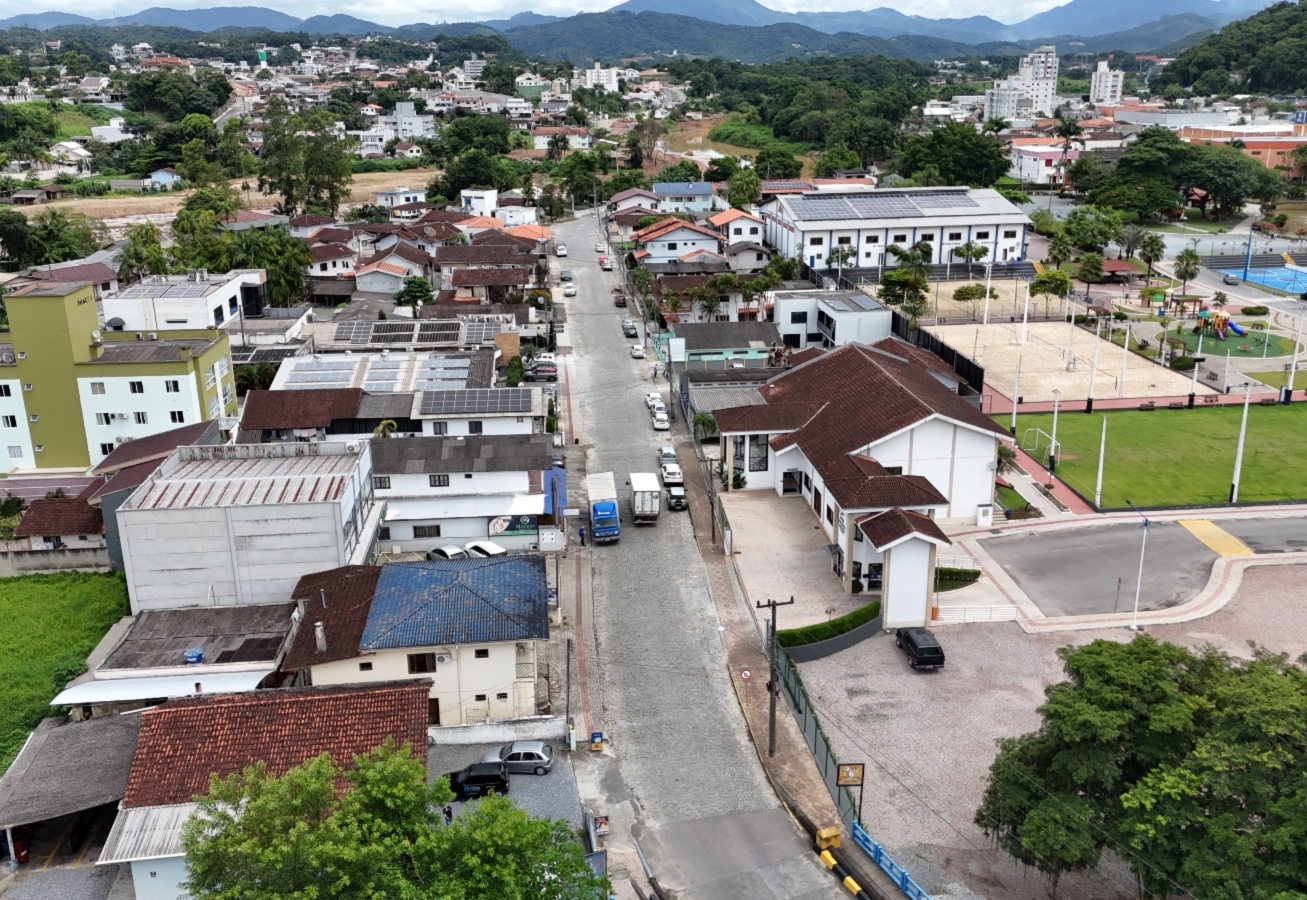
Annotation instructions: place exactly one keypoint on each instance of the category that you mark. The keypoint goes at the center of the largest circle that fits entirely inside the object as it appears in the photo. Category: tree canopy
(955, 153)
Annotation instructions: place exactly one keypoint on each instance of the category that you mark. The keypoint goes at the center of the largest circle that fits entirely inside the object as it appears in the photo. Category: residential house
(305, 415)
(398, 196)
(393, 372)
(491, 285)
(112, 133)
(735, 305)
(685, 196)
(384, 272)
(697, 346)
(102, 277)
(453, 257)
(747, 256)
(473, 630)
(199, 299)
(70, 153)
(238, 524)
(406, 124)
(407, 150)
(808, 317)
(305, 225)
(633, 197)
(671, 239)
(280, 729)
(628, 221)
(810, 224)
(578, 138)
(61, 523)
(332, 261)
(126, 385)
(37, 196)
(736, 226)
(164, 179)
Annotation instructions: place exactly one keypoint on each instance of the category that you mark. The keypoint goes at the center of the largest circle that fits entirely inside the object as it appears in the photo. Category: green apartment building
(70, 392)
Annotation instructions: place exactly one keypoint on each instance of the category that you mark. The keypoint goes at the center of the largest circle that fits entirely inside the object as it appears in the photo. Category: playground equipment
(1219, 322)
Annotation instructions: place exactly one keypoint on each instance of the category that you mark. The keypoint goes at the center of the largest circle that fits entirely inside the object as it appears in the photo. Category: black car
(630, 331)
(922, 648)
(479, 779)
(676, 498)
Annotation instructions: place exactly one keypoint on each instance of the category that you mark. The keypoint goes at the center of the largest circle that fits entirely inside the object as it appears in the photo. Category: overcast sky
(400, 12)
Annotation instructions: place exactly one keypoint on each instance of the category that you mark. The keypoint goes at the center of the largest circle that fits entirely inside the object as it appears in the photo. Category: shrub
(1255, 311)
(1183, 363)
(1120, 315)
(1081, 320)
(948, 578)
(824, 631)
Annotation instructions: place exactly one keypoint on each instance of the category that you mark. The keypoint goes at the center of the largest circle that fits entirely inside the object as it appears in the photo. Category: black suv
(922, 648)
(479, 779)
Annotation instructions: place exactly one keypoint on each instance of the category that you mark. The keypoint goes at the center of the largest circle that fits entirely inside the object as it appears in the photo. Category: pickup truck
(605, 520)
(646, 498)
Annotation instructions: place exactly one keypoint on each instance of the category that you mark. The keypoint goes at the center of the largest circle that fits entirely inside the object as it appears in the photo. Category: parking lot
(551, 796)
(928, 737)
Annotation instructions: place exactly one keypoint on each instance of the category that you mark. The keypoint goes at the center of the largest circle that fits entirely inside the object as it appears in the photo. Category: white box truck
(646, 498)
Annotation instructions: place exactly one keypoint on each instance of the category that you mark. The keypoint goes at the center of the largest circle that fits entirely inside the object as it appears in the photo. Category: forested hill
(1266, 52)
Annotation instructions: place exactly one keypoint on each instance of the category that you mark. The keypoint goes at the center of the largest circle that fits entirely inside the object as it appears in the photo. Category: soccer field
(1178, 457)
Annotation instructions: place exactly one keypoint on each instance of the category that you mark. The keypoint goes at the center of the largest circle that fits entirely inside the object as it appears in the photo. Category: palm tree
(995, 124)
(705, 426)
(385, 428)
(1186, 268)
(1131, 237)
(558, 146)
(914, 261)
(1068, 131)
(674, 302)
(1152, 249)
(1060, 249)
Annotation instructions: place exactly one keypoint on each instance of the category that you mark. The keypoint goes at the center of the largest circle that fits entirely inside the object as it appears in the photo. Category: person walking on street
(581, 530)
(448, 813)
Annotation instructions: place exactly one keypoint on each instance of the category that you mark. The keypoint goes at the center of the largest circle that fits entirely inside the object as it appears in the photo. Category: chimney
(320, 634)
(197, 687)
(323, 593)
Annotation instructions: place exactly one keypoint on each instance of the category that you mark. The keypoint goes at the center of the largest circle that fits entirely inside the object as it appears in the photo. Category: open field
(1180, 457)
(1044, 362)
(48, 624)
(1277, 379)
(170, 202)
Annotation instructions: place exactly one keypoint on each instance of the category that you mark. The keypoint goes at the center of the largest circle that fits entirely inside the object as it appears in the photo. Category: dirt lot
(117, 207)
(929, 737)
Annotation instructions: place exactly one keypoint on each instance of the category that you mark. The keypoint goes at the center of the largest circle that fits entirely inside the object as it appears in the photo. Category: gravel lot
(551, 796)
(83, 883)
(929, 737)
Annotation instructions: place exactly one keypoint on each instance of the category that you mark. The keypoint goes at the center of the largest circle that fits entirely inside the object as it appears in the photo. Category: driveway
(657, 685)
(548, 796)
(1088, 571)
(928, 738)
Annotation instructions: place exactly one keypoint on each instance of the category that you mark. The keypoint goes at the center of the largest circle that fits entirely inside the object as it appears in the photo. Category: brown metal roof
(340, 599)
(272, 410)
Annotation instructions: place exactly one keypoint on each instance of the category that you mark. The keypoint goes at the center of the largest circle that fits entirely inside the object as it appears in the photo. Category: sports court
(1282, 278)
(1057, 356)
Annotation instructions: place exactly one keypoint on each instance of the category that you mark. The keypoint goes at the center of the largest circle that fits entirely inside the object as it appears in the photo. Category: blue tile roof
(465, 601)
(701, 188)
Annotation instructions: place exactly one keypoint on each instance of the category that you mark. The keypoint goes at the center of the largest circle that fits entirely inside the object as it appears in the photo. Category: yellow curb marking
(1216, 537)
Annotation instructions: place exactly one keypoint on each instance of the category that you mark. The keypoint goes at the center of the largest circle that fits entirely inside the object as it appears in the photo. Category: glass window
(137, 387)
(482, 653)
(12, 421)
(141, 418)
(172, 387)
(420, 663)
(426, 531)
(982, 235)
(757, 453)
(440, 428)
(1010, 233)
(474, 427)
(17, 452)
(816, 241)
(799, 318)
(872, 239)
(178, 417)
(438, 480)
(105, 449)
(955, 235)
(97, 387)
(844, 240)
(900, 238)
(365, 667)
(381, 482)
(928, 237)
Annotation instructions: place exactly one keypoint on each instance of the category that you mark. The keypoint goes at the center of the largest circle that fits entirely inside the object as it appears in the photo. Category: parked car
(676, 498)
(653, 398)
(666, 454)
(560, 459)
(529, 757)
(637, 352)
(921, 646)
(1231, 279)
(483, 549)
(542, 372)
(619, 300)
(560, 250)
(672, 474)
(600, 248)
(478, 780)
(449, 551)
(545, 357)
(660, 422)
(659, 407)
(630, 331)
(565, 275)
(606, 264)
(569, 290)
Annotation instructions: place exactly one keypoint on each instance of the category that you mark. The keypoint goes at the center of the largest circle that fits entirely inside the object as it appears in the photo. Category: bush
(360, 166)
(1183, 363)
(948, 578)
(824, 631)
(1120, 315)
(1081, 320)
(1255, 311)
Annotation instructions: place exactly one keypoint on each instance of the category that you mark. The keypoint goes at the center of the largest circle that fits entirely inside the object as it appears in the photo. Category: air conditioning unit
(442, 657)
(154, 335)
(139, 335)
(120, 415)
(352, 447)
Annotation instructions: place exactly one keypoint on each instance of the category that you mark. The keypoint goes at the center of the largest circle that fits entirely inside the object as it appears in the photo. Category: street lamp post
(1238, 450)
(989, 272)
(1102, 454)
(1093, 368)
(1125, 358)
(1016, 396)
(1139, 581)
(1286, 392)
(1052, 447)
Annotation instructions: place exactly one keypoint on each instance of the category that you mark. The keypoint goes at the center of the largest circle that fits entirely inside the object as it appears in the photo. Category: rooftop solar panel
(476, 400)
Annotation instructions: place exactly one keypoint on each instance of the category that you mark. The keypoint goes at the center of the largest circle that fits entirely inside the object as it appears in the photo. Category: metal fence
(829, 768)
(966, 368)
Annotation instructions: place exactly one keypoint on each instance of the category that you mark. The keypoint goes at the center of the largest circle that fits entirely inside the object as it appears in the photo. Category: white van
(481, 549)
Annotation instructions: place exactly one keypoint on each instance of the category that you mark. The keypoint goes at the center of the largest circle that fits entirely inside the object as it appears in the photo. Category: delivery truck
(646, 498)
(605, 520)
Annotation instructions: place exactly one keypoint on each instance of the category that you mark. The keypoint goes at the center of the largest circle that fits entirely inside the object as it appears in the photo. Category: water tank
(194, 656)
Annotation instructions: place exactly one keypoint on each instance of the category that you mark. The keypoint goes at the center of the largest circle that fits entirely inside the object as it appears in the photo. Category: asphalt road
(1075, 572)
(657, 685)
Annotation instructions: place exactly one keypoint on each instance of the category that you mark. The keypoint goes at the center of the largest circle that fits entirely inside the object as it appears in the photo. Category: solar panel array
(390, 333)
(877, 206)
(476, 400)
(322, 373)
(353, 332)
(441, 374)
(188, 289)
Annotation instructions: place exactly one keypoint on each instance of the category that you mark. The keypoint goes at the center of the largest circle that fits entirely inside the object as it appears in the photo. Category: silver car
(529, 757)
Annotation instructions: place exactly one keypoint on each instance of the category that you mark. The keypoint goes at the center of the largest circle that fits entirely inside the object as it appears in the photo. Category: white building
(240, 523)
(828, 319)
(479, 201)
(372, 141)
(1030, 92)
(400, 196)
(1040, 164)
(577, 138)
(1007, 100)
(808, 225)
(685, 196)
(474, 68)
(407, 124)
(530, 80)
(197, 300)
(671, 239)
(1106, 86)
(112, 133)
(597, 78)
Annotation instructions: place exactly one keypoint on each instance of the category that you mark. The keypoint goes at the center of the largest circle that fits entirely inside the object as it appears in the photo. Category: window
(753, 230)
(322, 267)
(799, 318)
(928, 237)
(10, 421)
(474, 427)
(15, 452)
(22, 354)
(365, 667)
(502, 695)
(138, 387)
(420, 663)
(982, 235)
(214, 407)
(178, 417)
(221, 366)
(141, 418)
(482, 653)
(440, 428)
(894, 470)
(383, 533)
(39, 448)
(807, 481)
(843, 241)
(106, 449)
(757, 453)
(209, 377)
(816, 241)
(1010, 233)
(438, 480)
(955, 235)
(100, 418)
(426, 531)
(97, 387)
(172, 387)
(872, 239)
(857, 537)
(480, 698)
(381, 482)
(27, 387)
(830, 516)
(671, 245)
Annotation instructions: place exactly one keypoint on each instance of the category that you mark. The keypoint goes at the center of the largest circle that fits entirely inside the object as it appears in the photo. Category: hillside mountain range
(743, 30)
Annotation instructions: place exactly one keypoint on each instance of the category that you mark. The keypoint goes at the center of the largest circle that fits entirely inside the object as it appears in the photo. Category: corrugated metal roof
(147, 832)
(248, 482)
(123, 690)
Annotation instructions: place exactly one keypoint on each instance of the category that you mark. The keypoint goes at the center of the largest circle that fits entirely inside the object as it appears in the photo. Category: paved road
(658, 685)
(1075, 572)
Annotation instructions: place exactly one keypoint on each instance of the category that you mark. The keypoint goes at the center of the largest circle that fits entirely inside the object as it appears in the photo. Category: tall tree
(958, 153)
(1152, 249)
(143, 254)
(744, 188)
(1186, 268)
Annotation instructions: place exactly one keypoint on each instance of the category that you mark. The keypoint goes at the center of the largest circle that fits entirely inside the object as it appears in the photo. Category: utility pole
(1238, 451)
(773, 680)
(1102, 454)
(1016, 397)
(568, 704)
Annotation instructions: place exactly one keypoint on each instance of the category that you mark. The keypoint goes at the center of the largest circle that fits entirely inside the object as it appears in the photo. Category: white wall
(379, 282)
(459, 484)
(159, 879)
(156, 402)
(672, 247)
(956, 460)
(15, 443)
(907, 586)
(489, 425)
(456, 683)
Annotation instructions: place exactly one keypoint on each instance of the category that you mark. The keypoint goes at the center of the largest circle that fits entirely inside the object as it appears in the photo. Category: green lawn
(1192, 226)
(1181, 457)
(48, 625)
(1277, 378)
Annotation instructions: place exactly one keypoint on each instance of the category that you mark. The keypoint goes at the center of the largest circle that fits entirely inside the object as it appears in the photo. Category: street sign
(849, 774)
(746, 674)
(571, 511)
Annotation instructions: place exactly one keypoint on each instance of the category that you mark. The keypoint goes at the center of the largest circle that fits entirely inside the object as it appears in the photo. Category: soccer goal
(1040, 444)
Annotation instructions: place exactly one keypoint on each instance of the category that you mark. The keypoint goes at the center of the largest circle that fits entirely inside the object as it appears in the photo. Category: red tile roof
(483, 255)
(904, 350)
(184, 742)
(270, 410)
(766, 417)
(892, 525)
(404, 251)
(96, 273)
(324, 252)
(331, 236)
(347, 593)
(63, 515)
(308, 220)
(498, 277)
(669, 225)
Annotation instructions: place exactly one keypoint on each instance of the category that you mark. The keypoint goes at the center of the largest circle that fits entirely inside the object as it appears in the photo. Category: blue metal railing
(887, 864)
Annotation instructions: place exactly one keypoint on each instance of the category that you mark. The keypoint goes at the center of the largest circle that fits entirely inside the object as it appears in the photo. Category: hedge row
(824, 631)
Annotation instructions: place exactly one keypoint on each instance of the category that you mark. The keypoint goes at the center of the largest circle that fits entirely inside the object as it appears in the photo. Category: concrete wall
(957, 460)
(535, 728)
(157, 403)
(906, 594)
(524, 424)
(160, 879)
(17, 439)
(30, 562)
